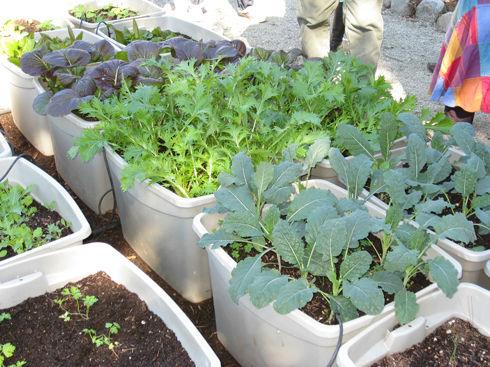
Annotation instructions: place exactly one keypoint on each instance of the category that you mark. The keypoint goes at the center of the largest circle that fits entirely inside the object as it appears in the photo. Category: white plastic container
(47, 272)
(143, 7)
(470, 303)
(157, 224)
(23, 92)
(88, 180)
(47, 189)
(5, 150)
(262, 337)
(173, 24)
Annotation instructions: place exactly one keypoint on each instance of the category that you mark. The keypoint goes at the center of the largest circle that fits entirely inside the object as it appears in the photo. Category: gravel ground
(408, 44)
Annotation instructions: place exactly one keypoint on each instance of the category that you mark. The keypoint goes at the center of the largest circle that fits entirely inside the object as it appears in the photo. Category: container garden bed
(256, 307)
(46, 190)
(5, 150)
(385, 337)
(155, 29)
(88, 14)
(89, 267)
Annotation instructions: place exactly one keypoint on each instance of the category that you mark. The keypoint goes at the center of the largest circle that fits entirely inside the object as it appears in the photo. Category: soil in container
(455, 343)
(43, 338)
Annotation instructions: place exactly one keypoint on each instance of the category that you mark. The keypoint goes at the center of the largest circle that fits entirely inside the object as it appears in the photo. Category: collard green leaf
(271, 218)
(345, 308)
(463, 133)
(455, 227)
(308, 201)
(394, 181)
(355, 265)
(394, 215)
(235, 198)
(437, 171)
(225, 179)
(353, 140)
(483, 216)
(388, 130)
(243, 223)
(444, 274)
(419, 240)
(359, 224)
(416, 155)
(437, 142)
(412, 125)
(317, 152)
(483, 186)
(400, 258)
(426, 220)
(215, 209)
(69, 57)
(406, 306)
(388, 281)
(365, 295)
(288, 243)
(411, 199)
(218, 238)
(289, 154)
(266, 287)
(331, 239)
(475, 163)
(281, 187)
(353, 173)
(243, 169)
(263, 177)
(295, 294)
(404, 232)
(243, 275)
(481, 201)
(432, 206)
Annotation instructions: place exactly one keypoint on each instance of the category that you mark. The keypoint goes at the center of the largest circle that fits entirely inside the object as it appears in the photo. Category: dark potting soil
(105, 228)
(455, 343)
(42, 338)
(42, 218)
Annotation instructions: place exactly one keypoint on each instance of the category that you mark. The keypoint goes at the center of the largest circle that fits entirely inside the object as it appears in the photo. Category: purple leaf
(103, 50)
(110, 73)
(66, 79)
(64, 102)
(82, 45)
(85, 86)
(68, 57)
(32, 62)
(142, 49)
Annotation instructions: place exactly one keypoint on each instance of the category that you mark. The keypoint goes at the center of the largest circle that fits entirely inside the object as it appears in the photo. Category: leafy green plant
(107, 12)
(15, 210)
(321, 237)
(99, 340)
(5, 316)
(74, 294)
(6, 351)
(127, 35)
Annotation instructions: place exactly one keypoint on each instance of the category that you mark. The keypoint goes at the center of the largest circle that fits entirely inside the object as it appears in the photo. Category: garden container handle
(411, 333)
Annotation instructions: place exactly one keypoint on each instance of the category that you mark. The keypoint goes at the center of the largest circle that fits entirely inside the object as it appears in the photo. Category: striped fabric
(462, 74)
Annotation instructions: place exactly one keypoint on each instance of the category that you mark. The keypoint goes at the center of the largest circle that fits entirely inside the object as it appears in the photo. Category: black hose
(14, 162)
(81, 19)
(106, 25)
(339, 341)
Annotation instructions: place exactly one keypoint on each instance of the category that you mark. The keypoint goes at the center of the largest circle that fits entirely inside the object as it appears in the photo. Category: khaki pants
(363, 27)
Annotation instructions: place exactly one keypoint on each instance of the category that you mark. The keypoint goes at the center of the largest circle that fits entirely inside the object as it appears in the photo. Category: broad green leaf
(432, 206)
(345, 308)
(412, 125)
(416, 155)
(394, 215)
(464, 134)
(288, 243)
(355, 265)
(242, 168)
(444, 274)
(272, 216)
(289, 154)
(483, 151)
(404, 232)
(281, 186)
(317, 152)
(437, 142)
(411, 199)
(365, 295)
(347, 206)
(218, 208)
(465, 181)
(263, 177)
(331, 239)
(359, 170)
(400, 258)
(308, 201)
(475, 163)
(388, 130)
(338, 163)
(243, 275)
(225, 179)
(419, 240)
(360, 223)
(218, 238)
(483, 216)
(437, 171)
(389, 282)
(235, 198)
(295, 294)
(394, 181)
(406, 306)
(426, 220)
(481, 201)
(266, 287)
(455, 227)
(483, 186)
(352, 139)
(244, 224)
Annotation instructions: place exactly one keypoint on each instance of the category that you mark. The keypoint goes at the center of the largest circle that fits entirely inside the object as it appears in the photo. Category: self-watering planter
(158, 225)
(46, 272)
(470, 303)
(23, 92)
(263, 337)
(169, 23)
(5, 150)
(144, 8)
(88, 180)
(46, 190)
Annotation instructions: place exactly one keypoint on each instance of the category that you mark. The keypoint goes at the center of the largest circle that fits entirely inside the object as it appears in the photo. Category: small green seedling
(5, 316)
(6, 351)
(75, 294)
(99, 340)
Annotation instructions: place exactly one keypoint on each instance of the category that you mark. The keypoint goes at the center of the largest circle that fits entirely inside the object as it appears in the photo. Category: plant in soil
(99, 340)
(296, 241)
(7, 350)
(19, 232)
(127, 35)
(107, 12)
(74, 294)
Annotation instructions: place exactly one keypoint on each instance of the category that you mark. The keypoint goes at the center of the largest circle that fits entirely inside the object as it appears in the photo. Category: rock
(386, 4)
(401, 7)
(443, 21)
(429, 10)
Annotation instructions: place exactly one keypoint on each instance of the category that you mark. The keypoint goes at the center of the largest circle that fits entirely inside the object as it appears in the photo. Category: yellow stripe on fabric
(469, 96)
(453, 51)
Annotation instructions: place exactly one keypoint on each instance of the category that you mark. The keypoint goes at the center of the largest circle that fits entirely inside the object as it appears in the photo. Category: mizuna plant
(281, 223)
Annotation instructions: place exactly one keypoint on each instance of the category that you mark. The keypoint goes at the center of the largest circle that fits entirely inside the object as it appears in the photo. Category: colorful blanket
(462, 74)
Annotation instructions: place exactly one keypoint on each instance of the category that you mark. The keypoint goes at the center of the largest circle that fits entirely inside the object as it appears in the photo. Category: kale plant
(323, 238)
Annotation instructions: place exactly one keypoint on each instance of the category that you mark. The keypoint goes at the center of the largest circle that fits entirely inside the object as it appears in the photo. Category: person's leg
(364, 28)
(314, 26)
(457, 114)
(338, 28)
